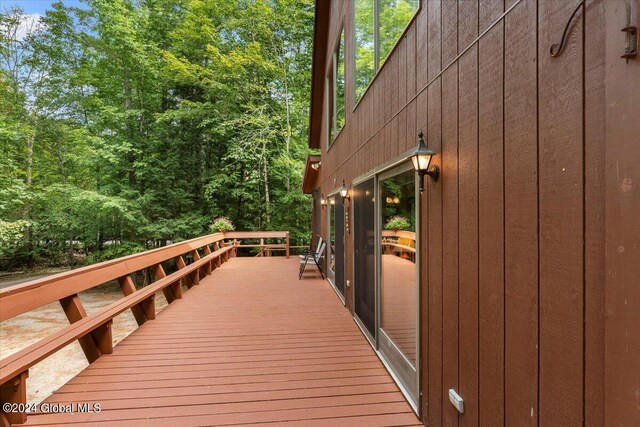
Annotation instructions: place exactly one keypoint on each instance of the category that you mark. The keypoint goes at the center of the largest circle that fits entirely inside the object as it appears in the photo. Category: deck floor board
(250, 344)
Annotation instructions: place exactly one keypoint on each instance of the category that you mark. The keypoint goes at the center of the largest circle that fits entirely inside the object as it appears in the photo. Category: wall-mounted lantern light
(344, 191)
(323, 201)
(421, 159)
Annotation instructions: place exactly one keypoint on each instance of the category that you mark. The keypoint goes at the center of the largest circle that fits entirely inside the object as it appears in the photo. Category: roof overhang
(311, 174)
(320, 35)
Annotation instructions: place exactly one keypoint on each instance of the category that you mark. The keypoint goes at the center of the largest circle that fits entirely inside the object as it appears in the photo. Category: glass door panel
(399, 275)
(335, 248)
(331, 259)
(339, 245)
(364, 250)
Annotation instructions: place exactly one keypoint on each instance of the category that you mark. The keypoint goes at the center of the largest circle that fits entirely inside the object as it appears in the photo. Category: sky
(35, 7)
(33, 10)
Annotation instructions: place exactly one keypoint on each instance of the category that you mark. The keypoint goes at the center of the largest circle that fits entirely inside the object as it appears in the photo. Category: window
(336, 84)
(378, 26)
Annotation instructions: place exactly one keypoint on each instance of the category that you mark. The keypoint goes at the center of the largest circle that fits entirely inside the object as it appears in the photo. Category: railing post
(216, 246)
(234, 251)
(180, 263)
(127, 287)
(207, 267)
(196, 257)
(171, 292)
(74, 311)
(287, 245)
(14, 391)
(103, 337)
(149, 307)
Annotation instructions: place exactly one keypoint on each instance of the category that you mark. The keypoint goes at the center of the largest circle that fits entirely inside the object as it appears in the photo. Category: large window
(336, 82)
(378, 26)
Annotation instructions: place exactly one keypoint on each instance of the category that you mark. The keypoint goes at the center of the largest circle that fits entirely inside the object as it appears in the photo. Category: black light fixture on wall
(344, 191)
(421, 159)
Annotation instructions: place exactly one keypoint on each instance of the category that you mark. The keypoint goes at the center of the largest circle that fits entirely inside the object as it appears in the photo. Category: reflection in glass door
(331, 259)
(398, 333)
(335, 249)
(364, 240)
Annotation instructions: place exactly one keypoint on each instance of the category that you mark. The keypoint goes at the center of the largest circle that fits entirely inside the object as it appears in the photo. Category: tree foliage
(134, 123)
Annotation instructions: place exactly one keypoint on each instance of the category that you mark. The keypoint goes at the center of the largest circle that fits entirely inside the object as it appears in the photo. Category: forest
(131, 124)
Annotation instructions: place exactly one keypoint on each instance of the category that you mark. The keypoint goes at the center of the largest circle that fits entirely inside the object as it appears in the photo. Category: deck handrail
(400, 234)
(19, 299)
(94, 331)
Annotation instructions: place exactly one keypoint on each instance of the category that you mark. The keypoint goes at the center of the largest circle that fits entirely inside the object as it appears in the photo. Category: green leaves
(149, 119)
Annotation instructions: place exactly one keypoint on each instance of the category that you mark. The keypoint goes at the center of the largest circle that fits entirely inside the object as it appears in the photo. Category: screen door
(364, 250)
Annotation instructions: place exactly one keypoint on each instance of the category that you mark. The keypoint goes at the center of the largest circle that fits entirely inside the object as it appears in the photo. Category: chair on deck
(316, 256)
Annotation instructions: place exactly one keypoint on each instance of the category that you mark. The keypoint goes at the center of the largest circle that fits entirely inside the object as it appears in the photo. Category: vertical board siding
(513, 232)
(450, 206)
(594, 196)
(468, 233)
(468, 211)
(491, 229)
(622, 340)
(561, 219)
(432, 351)
(521, 216)
(450, 241)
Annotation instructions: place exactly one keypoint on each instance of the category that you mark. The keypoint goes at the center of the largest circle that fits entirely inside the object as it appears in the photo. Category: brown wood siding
(513, 233)
(622, 210)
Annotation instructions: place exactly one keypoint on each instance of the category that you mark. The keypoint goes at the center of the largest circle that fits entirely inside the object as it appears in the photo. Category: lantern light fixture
(344, 191)
(323, 201)
(421, 159)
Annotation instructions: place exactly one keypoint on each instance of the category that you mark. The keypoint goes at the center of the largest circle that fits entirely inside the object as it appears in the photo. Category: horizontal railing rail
(400, 242)
(94, 331)
(399, 234)
(265, 249)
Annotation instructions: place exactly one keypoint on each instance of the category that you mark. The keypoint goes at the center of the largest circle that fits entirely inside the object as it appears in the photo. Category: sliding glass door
(335, 248)
(398, 276)
(364, 239)
(386, 270)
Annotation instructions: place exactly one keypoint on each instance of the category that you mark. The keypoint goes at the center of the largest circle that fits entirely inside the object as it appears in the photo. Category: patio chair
(310, 250)
(316, 256)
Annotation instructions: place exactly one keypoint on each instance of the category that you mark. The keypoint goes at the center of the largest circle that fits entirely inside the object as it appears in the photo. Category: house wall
(513, 232)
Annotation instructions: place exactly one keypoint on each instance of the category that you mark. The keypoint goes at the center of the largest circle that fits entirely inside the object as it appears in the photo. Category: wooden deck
(250, 344)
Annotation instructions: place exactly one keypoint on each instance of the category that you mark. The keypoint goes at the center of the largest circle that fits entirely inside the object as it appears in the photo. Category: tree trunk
(30, 143)
(265, 176)
(29, 179)
(127, 106)
(288, 117)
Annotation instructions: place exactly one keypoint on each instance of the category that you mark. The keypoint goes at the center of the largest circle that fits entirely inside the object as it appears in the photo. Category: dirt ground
(26, 329)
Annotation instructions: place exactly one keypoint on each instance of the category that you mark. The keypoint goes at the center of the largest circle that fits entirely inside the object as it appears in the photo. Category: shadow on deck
(251, 344)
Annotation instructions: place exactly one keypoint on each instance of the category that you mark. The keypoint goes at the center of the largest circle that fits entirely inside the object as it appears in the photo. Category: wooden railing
(94, 331)
(398, 241)
(265, 249)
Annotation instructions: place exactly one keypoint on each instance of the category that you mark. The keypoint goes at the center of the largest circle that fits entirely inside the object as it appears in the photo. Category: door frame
(335, 194)
(397, 163)
(371, 338)
(413, 398)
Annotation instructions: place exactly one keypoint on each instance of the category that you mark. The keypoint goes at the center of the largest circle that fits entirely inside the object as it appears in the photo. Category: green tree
(126, 124)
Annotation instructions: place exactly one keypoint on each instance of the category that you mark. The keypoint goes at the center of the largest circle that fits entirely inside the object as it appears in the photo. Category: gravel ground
(28, 328)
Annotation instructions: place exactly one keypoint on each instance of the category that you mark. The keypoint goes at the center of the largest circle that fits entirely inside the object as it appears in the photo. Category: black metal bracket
(631, 48)
(557, 48)
(434, 173)
(631, 34)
